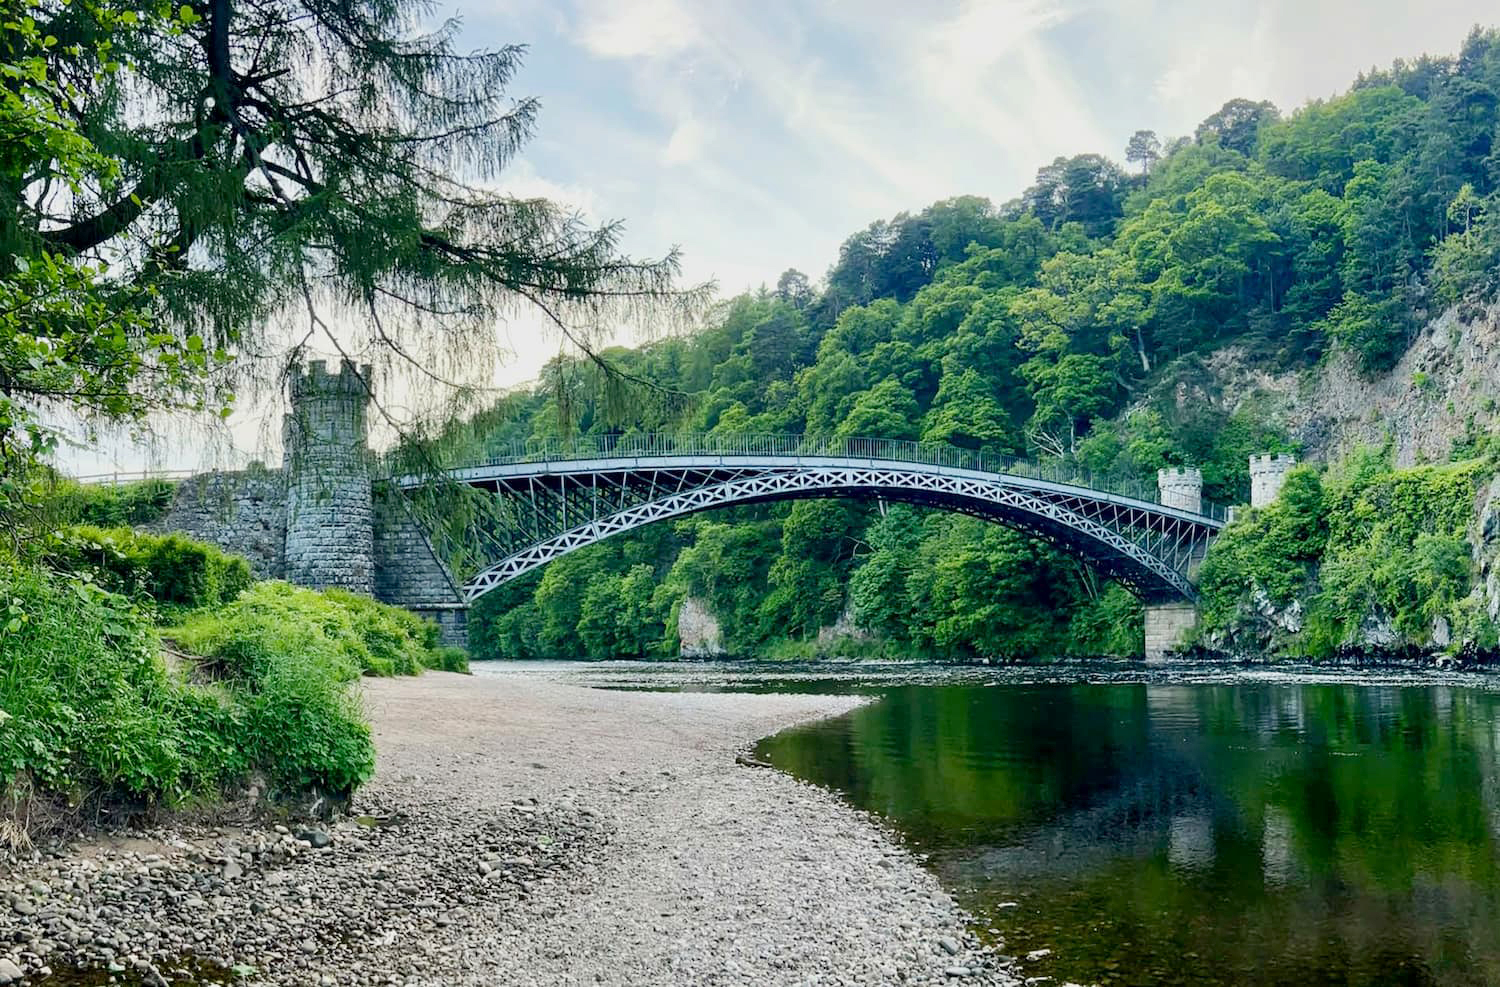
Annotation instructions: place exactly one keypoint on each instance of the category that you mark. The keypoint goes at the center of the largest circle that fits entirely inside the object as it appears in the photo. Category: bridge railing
(802, 447)
(138, 476)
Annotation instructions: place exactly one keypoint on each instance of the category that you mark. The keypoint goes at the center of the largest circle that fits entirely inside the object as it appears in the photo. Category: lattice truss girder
(529, 519)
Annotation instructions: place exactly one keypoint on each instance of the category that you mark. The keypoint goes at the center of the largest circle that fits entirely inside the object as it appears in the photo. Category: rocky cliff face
(1444, 389)
(1486, 541)
(698, 632)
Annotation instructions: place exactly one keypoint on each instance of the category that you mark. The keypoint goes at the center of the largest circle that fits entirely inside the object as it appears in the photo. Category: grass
(344, 631)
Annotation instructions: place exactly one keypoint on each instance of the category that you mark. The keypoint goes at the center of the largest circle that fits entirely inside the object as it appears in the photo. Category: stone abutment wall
(242, 512)
(408, 572)
(319, 520)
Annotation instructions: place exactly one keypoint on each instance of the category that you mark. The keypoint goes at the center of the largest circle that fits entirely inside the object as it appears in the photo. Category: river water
(1215, 827)
(1195, 834)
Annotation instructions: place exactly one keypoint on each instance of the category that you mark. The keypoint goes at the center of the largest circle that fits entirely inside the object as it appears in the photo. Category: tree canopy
(196, 191)
(1066, 323)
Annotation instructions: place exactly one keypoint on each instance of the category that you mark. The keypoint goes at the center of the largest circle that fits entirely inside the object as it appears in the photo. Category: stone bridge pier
(1169, 623)
(342, 529)
(321, 520)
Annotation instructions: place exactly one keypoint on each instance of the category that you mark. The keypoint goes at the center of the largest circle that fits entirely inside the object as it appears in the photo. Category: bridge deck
(494, 473)
(544, 508)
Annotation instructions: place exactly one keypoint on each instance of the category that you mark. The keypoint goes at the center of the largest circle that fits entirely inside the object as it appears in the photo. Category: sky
(757, 134)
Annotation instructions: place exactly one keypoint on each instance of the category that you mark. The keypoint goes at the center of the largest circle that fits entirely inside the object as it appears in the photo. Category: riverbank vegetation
(180, 186)
(1072, 322)
(1359, 555)
(104, 709)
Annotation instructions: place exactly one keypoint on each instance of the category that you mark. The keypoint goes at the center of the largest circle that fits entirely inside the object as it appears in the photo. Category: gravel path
(518, 831)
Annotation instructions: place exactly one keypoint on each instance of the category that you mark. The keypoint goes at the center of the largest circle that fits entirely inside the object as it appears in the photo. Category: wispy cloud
(637, 28)
(757, 135)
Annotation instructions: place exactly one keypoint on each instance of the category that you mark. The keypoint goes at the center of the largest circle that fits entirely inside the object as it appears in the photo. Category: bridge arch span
(553, 508)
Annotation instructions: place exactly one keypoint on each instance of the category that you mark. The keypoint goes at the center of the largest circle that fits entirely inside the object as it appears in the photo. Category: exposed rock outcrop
(698, 632)
(1445, 388)
(842, 631)
(1485, 539)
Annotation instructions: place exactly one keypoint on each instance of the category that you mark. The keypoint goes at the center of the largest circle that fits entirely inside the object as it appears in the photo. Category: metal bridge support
(1166, 626)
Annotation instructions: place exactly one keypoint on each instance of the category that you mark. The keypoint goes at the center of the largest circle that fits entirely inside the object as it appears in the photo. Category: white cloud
(687, 142)
(636, 28)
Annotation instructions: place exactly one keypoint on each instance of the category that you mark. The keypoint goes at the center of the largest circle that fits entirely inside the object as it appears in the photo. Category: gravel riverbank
(518, 831)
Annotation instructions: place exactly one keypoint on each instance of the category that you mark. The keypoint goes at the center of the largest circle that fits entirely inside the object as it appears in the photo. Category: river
(1279, 830)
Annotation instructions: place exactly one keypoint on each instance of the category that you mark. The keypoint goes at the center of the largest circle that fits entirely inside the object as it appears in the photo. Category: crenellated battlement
(1267, 462)
(1267, 475)
(1181, 487)
(316, 382)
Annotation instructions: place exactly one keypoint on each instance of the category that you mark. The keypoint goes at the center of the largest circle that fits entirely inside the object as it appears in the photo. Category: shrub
(348, 633)
(450, 659)
(170, 570)
(1397, 543)
(1364, 541)
(86, 704)
(127, 504)
(290, 653)
(89, 710)
(306, 731)
(1275, 550)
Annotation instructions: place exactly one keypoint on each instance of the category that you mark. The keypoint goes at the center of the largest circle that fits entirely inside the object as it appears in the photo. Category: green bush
(1365, 540)
(1397, 543)
(88, 709)
(307, 731)
(86, 705)
(290, 653)
(124, 505)
(173, 571)
(349, 634)
(450, 659)
(1275, 549)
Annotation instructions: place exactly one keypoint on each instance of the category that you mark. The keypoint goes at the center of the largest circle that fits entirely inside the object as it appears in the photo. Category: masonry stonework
(1267, 476)
(330, 534)
(319, 520)
(242, 512)
(408, 572)
(1167, 624)
(1181, 487)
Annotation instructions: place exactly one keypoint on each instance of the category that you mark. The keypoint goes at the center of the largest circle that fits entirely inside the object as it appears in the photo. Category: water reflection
(1236, 834)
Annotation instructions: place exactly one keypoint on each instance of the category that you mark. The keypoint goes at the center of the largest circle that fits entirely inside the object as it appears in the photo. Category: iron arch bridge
(545, 500)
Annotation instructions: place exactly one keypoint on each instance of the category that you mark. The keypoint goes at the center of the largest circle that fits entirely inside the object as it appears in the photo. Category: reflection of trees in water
(1288, 834)
(1285, 833)
(1165, 802)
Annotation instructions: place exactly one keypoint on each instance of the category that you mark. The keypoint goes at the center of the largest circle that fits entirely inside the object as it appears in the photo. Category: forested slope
(1053, 325)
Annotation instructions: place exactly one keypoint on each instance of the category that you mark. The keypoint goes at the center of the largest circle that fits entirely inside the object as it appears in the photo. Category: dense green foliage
(1364, 544)
(259, 686)
(66, 501)
(348, 632)
(1073, 322)
(87, 706)
(176, 179)
(170, 571)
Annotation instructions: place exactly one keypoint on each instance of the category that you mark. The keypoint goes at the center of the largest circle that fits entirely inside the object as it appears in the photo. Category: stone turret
(1181, 487)
(330, 533)
(1267, 474)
